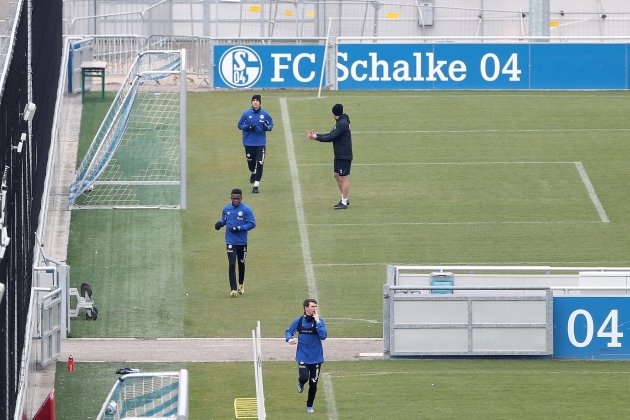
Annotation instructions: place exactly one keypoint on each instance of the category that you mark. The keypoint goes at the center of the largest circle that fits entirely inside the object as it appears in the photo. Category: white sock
(344, 201)
(256, 183)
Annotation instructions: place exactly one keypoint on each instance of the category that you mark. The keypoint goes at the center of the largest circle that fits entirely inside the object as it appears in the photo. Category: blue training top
(240, 216)
(309, 346)
(255, 125)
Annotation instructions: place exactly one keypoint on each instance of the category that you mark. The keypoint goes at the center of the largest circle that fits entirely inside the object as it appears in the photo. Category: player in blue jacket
(238, 219)
(255, 122)
(311, 331)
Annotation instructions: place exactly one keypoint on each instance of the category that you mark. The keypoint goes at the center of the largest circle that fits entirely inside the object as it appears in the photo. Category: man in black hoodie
(341, 138)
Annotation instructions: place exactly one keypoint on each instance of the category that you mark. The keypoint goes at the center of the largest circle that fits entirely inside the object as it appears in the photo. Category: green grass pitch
(438, 178)
(402, 389)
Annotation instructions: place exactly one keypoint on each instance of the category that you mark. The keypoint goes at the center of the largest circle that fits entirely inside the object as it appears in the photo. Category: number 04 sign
(591, 327)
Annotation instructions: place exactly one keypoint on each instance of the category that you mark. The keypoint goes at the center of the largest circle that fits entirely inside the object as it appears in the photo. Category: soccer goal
(138, 156)
(157, 395)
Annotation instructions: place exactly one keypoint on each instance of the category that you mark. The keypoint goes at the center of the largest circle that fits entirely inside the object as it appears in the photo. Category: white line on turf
(330, 397)
(369, 321)
(507, 130)
(477, 263)
(558, 222)
(299, 205)
(423, 96)
(443, 163)
(591, 192)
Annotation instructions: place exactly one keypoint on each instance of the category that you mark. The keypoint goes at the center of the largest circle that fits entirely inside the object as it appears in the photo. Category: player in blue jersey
(309, 354)
(238, 219)
(255, 122)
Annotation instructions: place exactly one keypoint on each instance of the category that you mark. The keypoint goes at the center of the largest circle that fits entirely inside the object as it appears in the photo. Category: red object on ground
(70, 364)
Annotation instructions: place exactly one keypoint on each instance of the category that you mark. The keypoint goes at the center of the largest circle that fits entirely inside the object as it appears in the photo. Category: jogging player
(238, 219)
(255, 122)
(309, 354)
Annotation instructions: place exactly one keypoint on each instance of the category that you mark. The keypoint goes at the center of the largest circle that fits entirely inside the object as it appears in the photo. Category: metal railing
(312, 18)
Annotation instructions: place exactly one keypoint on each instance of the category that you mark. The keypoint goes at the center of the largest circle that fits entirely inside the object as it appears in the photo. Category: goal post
(138, 156)
(155, 395)
(253, 408)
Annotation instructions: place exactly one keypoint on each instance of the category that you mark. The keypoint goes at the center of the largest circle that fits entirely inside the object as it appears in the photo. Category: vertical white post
(260, 393)
(182, 129)
(182, 397)
(323, 72)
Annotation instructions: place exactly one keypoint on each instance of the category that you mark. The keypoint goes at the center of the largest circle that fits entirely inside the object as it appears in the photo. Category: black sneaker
(340, 206)
(255, 190)
(252, 178)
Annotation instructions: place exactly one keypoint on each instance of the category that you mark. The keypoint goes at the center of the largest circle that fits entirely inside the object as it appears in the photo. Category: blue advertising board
(482, 66)
(591, 327)
(378, 66)
(579, 66)
(433, 66)
(267, 66)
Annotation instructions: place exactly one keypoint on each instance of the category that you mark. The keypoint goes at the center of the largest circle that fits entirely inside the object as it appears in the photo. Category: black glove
(235, 228)
(217, 225)
(266, 126)
(251, 127)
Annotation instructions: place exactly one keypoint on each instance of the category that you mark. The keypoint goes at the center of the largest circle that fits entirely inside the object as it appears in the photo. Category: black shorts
(342, 167)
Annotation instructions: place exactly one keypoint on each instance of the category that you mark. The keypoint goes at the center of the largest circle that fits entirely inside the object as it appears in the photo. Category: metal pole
(539, 18)
(321, 76)
(182, 129)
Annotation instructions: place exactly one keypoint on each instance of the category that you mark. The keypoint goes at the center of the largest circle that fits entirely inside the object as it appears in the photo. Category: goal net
(157, 395)
(137, 158)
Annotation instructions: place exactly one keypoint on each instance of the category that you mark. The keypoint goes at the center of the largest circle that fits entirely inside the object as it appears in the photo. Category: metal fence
(319, 18)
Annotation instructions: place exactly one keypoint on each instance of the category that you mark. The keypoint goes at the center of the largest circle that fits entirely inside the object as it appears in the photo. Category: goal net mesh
(159, 395)
(135, 159)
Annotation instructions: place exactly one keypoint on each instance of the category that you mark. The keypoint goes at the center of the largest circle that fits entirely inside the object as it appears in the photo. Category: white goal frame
(140, 391)
(156, 79)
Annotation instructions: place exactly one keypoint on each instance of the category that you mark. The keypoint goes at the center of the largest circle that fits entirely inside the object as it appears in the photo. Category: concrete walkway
(209, 349)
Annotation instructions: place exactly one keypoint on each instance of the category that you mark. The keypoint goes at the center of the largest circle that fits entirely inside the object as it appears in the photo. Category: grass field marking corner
(603, 218)
(299, 204)
(591, 192)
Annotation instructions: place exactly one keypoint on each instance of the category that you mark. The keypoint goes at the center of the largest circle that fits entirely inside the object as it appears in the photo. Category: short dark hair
(257, 98)
(307, 302)
(337, 110)
(237, 191)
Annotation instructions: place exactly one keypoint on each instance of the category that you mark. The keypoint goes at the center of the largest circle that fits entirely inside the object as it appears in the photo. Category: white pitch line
(446, 163)
(424, 95)
(559, 222)
(299, 204)
(369, 321)
(591, 192)
(383, 264)
(508, 130)
(464, 373)
(330, 397)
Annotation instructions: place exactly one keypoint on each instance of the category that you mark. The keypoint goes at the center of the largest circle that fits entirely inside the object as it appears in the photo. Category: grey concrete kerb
(209, 349)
